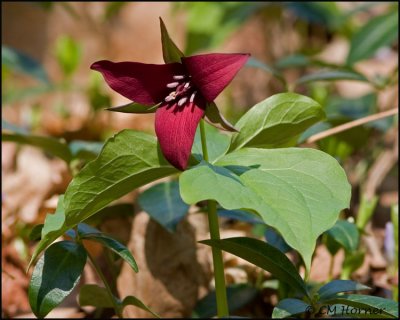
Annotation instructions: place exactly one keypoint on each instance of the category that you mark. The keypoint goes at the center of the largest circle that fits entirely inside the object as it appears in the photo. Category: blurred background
(342, 54)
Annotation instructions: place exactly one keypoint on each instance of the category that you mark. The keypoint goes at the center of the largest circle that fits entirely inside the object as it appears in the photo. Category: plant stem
(219, 276)
(107, 286)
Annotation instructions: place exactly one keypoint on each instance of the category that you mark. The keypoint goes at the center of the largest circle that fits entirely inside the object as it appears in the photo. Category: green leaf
(127, 161)
(252, 62)
(131, 300)
(289, 307)
(332, 246)
(52, 145)
(346, 234)
(164, 204)
(93, 295)
(171, 52)
(217, 143)
(376, 33)
(53, 228)
(240, 215)
(276, 240)
(294, 60)
(68, 54)
(134, 107)
(332, 75)
(368, 305)
(274, 121)
(215, 118)
(113, 245)
(20, 62)
(291, 189)
(36, 232)
(55, 276)
(264, 256)
(336, 286)
(237, 295)
(85, 149)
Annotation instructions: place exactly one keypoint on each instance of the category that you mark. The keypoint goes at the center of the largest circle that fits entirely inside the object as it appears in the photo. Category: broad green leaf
(276, 120)
(294, 60)
(20, 62)
(93, 295)
(68, 54)
(85, 149)
(289, 307)
(127, 161)
(346, 234)
(332, 246)
(164, 204)
(365, 211)
(36, 232)
(252, 62)
(276, 240)
(52, 229)
(171, 52)
(133, 301)
(215, 118)
(376, 33)
(52, 145)
(264, 256)
(217, 143)
(332, 75)
(134, 107)
(118, 210)
(55, 275)
(113, 245)
(240, 215)
(336, 286)
(375, 307)
(291, 189)
(237, 295)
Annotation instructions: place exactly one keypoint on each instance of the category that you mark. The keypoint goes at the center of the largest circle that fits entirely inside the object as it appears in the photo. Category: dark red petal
(211, 73)
(175, 129)
(139, 82)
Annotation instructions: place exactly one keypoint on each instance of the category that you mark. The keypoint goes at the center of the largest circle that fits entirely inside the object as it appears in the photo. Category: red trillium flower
(182, 91)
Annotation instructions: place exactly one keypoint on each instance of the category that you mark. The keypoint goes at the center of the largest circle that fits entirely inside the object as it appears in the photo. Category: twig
(351, 124)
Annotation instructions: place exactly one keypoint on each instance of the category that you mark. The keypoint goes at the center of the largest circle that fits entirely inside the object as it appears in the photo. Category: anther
(182, 101)
(172, 85)
(169, 98)
(179, 77)
(187, 84)
(192, 96)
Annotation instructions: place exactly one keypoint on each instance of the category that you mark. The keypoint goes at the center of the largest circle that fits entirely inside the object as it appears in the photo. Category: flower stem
(219, 276)
(117, 309)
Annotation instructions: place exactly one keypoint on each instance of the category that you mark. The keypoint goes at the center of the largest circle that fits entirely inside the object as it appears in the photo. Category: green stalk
(117, 309)
(219, 276)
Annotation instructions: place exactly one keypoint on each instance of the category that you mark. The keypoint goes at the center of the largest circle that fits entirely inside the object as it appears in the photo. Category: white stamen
(187, 84)
(172, 85)
(169, 98)
(192, 96)
(179, 77)
(182, 101)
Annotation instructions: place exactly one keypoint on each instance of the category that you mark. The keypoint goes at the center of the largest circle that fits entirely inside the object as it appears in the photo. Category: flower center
(184, 90)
